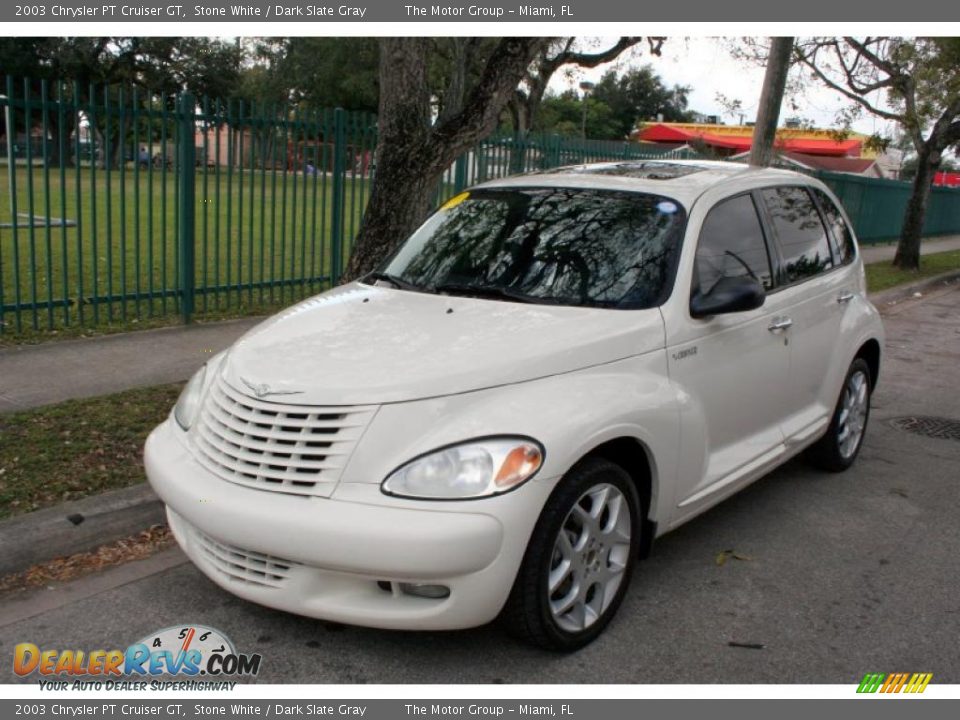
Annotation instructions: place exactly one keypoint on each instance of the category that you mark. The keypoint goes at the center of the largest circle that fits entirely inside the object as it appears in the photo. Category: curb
(77, 526)
(894, 295)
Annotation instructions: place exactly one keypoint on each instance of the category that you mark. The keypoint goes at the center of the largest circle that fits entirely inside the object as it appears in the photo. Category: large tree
(412, 152)
(914, 82)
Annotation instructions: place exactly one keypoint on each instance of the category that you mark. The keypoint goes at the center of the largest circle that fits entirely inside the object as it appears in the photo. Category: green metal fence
(876, 206)
(122, 205)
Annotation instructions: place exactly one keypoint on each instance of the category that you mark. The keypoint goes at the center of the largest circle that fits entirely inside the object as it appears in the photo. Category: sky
(706, 65)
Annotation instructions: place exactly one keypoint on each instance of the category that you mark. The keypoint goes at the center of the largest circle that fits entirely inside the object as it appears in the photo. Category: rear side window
(732, 244)
(803, 239)
(842, 237)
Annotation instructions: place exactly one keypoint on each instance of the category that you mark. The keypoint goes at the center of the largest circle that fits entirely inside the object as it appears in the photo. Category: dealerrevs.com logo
(183, 652)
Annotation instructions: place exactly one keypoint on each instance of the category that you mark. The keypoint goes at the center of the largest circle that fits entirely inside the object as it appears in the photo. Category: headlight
(470, 470)
(185, 411)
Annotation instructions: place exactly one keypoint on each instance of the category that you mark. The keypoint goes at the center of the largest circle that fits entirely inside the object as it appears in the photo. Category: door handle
(779, 323)
(844, 297)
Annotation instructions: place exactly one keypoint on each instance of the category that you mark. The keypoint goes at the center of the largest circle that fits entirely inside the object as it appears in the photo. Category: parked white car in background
(551, 372)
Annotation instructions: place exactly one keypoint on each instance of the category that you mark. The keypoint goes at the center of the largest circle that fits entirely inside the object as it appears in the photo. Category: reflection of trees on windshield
(573, 246)
(803, 238)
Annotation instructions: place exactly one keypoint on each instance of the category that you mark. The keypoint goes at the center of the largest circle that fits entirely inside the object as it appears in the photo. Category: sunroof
(649, 170)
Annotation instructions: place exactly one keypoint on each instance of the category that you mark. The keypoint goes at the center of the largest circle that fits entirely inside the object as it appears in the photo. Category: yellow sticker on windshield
(454, 201)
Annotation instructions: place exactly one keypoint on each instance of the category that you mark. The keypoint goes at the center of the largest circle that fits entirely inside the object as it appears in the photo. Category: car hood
(359, 345)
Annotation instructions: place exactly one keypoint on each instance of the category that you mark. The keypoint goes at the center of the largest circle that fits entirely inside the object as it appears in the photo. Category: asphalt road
(846, 574)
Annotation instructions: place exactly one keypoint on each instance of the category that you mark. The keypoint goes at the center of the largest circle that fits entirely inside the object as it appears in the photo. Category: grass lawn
(882, 275)
(77, 448)
(252, 226)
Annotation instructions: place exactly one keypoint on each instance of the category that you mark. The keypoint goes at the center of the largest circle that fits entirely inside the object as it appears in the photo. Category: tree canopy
(640, 95)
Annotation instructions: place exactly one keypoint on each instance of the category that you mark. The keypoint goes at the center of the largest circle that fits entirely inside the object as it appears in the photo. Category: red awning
(741, 143)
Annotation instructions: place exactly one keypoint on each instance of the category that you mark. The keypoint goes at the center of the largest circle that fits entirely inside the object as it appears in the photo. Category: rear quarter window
(803, 239)
(841, 235)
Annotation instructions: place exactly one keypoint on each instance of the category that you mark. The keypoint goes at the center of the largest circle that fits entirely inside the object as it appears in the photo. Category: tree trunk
(400, 196)
(768, 113)
(519, 114)
(457, 87)
(908, 247)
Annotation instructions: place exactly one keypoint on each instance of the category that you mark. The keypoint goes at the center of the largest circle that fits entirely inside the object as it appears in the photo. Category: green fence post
(460, 174)
(517, 153)
(553, 159)
(186, 200)
(339, 189)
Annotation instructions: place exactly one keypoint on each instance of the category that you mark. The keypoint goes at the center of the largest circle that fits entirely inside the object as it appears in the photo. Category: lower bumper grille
(242, 565)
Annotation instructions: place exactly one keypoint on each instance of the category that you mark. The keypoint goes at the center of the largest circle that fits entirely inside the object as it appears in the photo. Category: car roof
(682, 180)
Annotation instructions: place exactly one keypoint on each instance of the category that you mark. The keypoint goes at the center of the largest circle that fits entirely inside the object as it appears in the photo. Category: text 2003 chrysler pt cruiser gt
(552, 371)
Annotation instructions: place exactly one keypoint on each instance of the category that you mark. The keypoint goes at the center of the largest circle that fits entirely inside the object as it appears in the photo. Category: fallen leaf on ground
(725, 555)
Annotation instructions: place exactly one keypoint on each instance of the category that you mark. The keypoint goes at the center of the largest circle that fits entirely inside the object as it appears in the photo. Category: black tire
(527, 614)
(828, 452)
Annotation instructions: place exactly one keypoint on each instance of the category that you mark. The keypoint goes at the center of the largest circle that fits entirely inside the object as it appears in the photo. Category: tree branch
(591, 60)
(810, 62)
(503, 72)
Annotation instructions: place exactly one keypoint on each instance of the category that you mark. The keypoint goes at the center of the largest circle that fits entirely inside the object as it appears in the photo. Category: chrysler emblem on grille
(262, 390)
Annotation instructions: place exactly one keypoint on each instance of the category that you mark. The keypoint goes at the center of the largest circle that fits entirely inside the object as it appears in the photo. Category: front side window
(842, 237)
(803, 239)
(553, 245)
(732, 244)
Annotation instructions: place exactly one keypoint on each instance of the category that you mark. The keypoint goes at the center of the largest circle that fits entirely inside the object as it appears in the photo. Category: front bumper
(342, 558)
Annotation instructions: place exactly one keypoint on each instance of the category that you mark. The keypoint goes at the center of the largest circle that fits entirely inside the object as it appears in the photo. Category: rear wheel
(837, 450)
(579, 560)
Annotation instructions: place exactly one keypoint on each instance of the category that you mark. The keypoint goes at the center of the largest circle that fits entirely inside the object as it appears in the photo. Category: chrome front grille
(244, 565)
(296, 449)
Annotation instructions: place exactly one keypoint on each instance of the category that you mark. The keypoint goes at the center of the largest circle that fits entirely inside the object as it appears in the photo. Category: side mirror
(729, 295)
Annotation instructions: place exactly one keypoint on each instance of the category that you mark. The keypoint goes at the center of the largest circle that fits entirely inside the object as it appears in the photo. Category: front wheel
(837, 450)
(579, 560)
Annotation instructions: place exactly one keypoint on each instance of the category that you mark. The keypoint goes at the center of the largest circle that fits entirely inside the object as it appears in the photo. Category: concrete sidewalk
(878, 253)
(36, 375)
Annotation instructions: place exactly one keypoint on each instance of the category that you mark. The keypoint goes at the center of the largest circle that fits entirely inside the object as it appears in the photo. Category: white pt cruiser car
(551, 372)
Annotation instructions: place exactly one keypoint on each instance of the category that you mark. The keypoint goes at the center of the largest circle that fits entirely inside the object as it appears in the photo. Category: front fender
(569, 414)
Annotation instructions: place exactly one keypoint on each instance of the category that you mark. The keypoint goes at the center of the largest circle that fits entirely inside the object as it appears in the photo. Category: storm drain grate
(935, 427)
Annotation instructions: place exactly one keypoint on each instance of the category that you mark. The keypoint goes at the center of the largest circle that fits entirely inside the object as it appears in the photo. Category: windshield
(558, 245)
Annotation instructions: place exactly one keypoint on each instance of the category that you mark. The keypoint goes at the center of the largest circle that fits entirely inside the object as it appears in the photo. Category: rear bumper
(331, 558)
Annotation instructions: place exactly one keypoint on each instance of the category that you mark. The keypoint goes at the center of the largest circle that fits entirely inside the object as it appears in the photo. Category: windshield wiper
(491, 291)
(397, 282)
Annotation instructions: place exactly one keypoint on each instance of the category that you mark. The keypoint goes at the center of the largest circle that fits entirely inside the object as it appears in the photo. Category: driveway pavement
(843, 574)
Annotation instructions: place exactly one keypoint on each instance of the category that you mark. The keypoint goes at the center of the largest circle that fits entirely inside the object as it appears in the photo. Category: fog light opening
(432, 592)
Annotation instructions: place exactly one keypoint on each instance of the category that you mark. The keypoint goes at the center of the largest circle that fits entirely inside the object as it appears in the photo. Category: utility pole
(768, 112)
(587, 87)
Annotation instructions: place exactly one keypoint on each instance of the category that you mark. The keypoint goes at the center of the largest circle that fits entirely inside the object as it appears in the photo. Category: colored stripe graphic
(894, 682)
(871, 683)
(918, 683)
